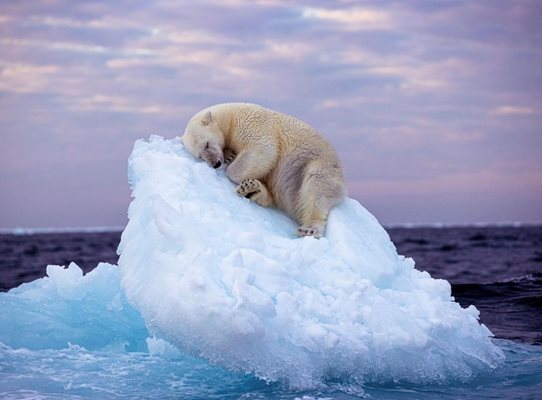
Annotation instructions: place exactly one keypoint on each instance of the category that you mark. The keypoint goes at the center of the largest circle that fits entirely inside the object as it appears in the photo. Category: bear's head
(204, 139)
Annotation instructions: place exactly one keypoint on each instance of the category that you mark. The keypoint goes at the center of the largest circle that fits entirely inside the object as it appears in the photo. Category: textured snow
(222, 278)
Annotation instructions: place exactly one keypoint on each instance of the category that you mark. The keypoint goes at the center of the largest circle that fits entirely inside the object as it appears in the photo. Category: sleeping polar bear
(276, 160)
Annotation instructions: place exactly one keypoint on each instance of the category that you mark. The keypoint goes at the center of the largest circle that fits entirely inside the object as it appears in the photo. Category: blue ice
(216, 297)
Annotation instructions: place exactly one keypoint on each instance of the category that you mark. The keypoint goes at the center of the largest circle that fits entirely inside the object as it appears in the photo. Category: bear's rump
(286, 180)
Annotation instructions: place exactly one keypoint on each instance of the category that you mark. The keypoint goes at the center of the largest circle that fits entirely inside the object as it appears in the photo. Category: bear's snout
(212, 157)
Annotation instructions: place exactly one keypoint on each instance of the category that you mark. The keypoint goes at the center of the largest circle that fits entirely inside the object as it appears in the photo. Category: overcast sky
(435, 107)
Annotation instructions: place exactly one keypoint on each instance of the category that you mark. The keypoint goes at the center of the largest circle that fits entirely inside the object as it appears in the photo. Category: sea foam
(225, 279)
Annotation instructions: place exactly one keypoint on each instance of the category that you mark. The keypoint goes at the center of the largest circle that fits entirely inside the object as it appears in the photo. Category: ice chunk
(226, 279)
(67, 307)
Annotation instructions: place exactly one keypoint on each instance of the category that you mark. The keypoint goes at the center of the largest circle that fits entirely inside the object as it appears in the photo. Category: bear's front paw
(248, 187)
(229, 156)
(312, 230)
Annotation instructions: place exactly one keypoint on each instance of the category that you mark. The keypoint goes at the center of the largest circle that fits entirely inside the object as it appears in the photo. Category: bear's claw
(229, 156)
(315, 231)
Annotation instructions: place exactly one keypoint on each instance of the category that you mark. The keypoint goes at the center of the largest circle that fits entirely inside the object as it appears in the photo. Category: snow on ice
(228, 280)
(208, 273)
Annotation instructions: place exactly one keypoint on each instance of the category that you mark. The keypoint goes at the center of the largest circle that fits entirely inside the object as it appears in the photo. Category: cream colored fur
(276, 160)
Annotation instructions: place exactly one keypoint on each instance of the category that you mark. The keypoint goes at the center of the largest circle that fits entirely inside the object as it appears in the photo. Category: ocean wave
(511, 306)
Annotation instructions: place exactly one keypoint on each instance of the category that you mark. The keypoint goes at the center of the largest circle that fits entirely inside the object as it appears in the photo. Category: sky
(435, 107)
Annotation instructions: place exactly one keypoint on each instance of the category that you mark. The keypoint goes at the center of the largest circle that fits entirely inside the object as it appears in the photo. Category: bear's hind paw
(312, 230)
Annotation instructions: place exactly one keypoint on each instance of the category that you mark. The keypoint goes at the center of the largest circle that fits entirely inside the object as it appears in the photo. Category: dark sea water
(497, 269)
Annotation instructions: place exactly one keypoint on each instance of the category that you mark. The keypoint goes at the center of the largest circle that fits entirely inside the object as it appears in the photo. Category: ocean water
(497, 269)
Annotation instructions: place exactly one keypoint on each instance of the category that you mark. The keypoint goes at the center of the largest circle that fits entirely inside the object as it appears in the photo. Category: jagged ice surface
(228, 280)
(67, 307)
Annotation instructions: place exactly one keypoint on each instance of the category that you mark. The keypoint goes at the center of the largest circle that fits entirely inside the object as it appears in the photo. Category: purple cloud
(435, 108)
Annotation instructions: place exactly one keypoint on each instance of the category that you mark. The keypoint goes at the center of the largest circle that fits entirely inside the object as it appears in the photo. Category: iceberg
(222, 278)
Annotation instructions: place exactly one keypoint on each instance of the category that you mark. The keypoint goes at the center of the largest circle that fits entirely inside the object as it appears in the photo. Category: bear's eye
(207, 145)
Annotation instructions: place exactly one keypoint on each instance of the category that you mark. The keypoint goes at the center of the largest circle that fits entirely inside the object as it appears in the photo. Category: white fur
(276, 160)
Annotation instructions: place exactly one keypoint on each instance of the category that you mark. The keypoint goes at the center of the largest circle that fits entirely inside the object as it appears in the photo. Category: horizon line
(408, 225)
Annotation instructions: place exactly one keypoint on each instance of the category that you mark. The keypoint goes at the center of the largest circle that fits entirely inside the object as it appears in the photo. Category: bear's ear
(207, 118)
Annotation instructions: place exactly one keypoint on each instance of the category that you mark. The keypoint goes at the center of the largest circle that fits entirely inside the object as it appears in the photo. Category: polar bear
(275, 159)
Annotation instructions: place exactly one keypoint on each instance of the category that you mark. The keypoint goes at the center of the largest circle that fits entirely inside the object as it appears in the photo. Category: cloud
(118, 104)
(509, 110)
(486, 181)
(353, 19)
(55, 46)
(406, 91)
(25, 78)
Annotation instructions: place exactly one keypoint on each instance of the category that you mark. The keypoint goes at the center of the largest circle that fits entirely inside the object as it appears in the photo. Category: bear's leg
(255, 191)
(319, 193)
(253, 163)
(313, 226)
(312, 209)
